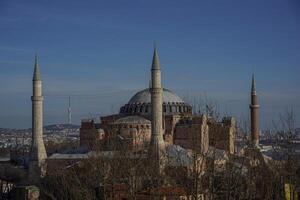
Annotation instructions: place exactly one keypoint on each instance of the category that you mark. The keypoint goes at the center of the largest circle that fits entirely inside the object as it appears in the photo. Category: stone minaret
(38, 151)
(157, 145)
(254, 109)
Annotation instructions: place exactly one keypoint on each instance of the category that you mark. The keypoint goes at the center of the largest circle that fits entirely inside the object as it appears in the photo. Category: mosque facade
(132, 126)
(155, 122)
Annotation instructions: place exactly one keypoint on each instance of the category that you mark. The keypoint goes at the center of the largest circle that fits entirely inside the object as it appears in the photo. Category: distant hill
(48, 128)
(58, 127)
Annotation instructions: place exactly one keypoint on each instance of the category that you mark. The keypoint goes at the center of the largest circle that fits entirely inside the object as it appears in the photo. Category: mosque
(132, 125)
(155, 122)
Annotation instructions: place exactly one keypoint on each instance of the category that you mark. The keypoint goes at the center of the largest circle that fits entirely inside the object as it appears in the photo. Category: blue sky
(100, 53)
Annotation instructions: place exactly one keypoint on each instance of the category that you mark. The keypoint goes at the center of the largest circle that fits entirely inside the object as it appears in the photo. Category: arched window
(146, 110)
(141, 108)
(135, 109)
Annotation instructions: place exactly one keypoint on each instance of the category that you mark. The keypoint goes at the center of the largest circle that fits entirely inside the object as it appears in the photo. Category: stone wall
(90, 134)
(169, 126)
(192, 133)
(134, 136)
(222, 134)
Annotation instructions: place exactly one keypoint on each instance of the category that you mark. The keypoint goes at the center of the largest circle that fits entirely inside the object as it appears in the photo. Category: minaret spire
(38, 151)
(253, 87)
(36, 73)
(254, 109)
(157, 146)
(155, 60)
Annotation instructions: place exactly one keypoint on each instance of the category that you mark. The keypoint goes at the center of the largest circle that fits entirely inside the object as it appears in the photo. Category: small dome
(132, 120)
(144, 96)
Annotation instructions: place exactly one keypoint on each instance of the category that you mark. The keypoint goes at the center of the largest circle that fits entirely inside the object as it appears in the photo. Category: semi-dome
(144, 96)
(140, 103)
(132, 120)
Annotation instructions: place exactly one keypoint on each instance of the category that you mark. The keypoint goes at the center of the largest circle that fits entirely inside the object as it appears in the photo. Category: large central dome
(140, 103)
(144, 96)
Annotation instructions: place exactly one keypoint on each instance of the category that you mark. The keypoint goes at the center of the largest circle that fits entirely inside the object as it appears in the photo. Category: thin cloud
(14, 62)
(14, 49)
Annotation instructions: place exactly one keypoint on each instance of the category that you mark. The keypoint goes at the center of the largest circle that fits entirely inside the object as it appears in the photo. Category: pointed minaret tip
(253, 89)
(36, 74)
(155, 60)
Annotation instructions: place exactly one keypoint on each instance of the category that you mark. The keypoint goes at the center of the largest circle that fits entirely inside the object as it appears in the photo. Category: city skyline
(102, 61)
